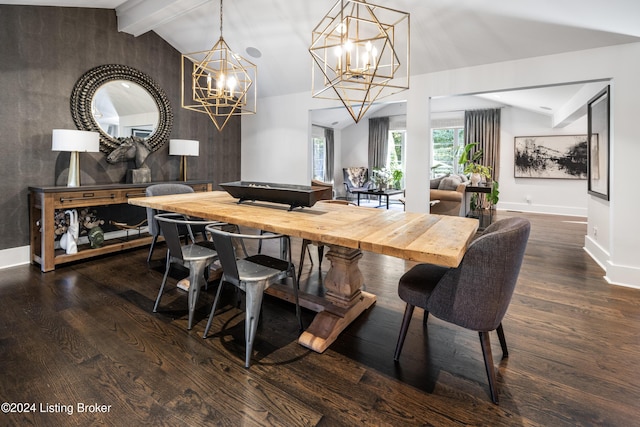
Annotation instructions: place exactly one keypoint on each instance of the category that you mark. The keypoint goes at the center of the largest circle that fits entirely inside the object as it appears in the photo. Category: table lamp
(184, 148)
(75, 141)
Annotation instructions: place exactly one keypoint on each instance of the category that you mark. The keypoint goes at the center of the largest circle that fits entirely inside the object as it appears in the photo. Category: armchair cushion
(450, 182)
(357, 176)
(435, 182)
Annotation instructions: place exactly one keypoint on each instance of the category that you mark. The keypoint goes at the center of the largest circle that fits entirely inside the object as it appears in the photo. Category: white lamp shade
(75, 140)
(184, 147)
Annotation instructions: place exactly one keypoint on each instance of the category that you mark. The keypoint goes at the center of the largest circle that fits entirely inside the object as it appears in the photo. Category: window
(319, 153)
(444, 147)
(395, 153)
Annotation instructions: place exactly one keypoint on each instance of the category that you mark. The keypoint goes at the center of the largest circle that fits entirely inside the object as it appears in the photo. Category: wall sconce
(184, 148)
(75, 141)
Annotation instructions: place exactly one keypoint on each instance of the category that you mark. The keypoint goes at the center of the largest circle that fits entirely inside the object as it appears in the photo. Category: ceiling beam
(576, 107)
(137, 17)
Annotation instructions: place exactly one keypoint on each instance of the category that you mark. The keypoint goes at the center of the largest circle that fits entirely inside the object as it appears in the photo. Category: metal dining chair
(195, 256)
(253, 275)
(162, 189)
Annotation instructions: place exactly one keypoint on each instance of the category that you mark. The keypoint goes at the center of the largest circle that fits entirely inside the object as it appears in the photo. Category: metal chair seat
(253, 272)
(197, 252)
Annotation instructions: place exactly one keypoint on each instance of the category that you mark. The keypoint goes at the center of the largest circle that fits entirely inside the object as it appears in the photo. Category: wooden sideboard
(43, 202)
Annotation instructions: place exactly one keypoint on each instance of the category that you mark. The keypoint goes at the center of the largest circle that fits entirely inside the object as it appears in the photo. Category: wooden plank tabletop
(418, 237)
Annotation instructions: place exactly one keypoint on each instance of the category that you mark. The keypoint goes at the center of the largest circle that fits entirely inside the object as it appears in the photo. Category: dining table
(347, 231)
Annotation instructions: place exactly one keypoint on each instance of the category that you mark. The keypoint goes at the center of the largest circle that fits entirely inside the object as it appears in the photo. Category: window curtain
(378, 142)
(483, 127)
(328, 154)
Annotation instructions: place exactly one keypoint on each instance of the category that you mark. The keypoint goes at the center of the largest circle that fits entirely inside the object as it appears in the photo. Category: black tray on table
(296, 196)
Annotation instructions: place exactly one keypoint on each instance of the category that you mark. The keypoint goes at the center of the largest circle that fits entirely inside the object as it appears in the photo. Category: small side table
(480, 189)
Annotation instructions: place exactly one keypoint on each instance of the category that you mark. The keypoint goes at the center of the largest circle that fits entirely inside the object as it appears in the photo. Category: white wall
(275, 141)
(355, 146)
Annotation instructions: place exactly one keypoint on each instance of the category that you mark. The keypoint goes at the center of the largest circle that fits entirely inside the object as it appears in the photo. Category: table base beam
(326, 326)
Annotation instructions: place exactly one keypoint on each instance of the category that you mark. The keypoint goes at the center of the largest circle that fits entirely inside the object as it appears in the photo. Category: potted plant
(472, 166)
(382, 177)
(478, 171)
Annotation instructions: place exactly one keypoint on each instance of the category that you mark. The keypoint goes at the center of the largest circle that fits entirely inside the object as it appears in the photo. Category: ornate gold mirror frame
(86, 87)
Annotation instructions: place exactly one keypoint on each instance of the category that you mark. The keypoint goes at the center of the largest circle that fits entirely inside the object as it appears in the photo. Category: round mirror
(123, 108)
(120, 102)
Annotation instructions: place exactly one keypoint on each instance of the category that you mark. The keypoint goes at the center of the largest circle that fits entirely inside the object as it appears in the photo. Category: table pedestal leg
(343, 284)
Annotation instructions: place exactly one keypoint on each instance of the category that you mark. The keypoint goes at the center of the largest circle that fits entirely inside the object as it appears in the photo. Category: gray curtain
(328, 158)
(483, 126)
(378, 142)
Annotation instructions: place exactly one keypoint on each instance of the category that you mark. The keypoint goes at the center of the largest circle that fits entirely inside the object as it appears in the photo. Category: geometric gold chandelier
(219, 82)
(361, 54)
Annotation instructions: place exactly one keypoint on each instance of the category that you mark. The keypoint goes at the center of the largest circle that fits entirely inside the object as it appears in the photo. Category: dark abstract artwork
(556, 156)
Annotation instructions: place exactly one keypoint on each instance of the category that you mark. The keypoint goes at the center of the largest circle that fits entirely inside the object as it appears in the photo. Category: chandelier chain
(220, 18)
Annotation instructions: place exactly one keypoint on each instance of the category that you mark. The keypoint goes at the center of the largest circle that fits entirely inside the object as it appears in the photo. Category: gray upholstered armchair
(477, 293)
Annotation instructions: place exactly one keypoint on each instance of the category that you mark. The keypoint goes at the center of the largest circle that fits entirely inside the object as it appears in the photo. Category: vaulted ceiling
(445, 34)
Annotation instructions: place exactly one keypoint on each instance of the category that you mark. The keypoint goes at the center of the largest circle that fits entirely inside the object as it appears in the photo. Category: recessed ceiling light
(546, 108)
(254, 52)
(334, 123)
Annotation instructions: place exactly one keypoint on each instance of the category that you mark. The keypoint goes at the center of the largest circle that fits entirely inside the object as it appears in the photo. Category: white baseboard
(614, 274)
(596, 252)
(623, 275)
(544, 209)
(13, 257)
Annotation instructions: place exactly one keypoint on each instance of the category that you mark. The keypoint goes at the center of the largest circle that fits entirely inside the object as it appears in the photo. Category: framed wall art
(551, 156)
(598, 134)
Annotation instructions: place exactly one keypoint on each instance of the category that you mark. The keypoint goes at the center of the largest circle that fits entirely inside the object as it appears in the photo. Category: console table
(43, 201)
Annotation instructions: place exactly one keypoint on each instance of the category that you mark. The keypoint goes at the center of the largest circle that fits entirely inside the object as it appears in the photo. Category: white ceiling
(445, 34)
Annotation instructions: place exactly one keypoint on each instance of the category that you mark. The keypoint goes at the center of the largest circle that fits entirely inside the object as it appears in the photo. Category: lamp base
(183, 168)
(74, 170)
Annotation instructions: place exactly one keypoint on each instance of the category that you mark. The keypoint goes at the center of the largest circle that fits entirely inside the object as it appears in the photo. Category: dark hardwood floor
(85, 334)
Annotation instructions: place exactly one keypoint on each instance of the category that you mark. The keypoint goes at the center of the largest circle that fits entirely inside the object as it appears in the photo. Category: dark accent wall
(43, 51)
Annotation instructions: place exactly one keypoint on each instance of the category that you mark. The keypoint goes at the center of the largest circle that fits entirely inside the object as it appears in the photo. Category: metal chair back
(168, 223)
(223, 242)
(162, 190)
